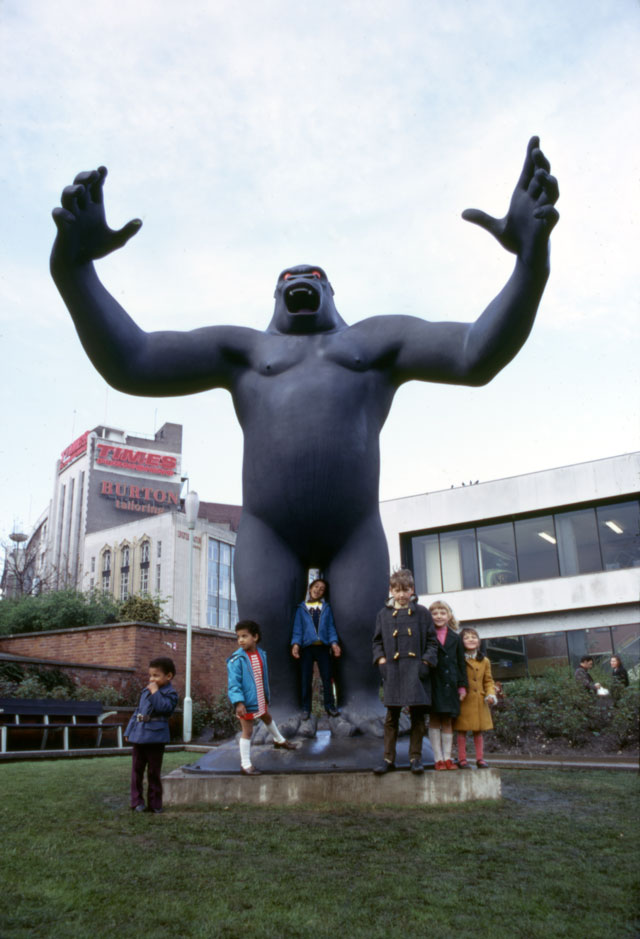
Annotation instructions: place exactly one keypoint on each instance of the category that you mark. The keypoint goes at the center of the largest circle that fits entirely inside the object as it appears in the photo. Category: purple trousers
(147, 756)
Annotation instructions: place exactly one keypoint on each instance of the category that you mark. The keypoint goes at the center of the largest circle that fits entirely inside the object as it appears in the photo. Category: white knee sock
(245, 753)
(436, 744)
(447, 745)
(275, 733)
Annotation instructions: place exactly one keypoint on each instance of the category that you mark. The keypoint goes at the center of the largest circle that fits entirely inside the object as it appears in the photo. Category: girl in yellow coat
(474, 708)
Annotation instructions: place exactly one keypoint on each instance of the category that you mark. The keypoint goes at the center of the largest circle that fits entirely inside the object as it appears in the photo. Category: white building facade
(545, 566)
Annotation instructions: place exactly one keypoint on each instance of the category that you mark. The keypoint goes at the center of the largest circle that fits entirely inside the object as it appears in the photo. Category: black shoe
(252, 771)
(284, 745)
(333, 712)
(416, 766)
(384, 767)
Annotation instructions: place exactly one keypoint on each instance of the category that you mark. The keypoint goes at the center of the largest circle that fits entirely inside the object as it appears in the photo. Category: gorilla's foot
(289, 726)
(342, 727)
(359, 720)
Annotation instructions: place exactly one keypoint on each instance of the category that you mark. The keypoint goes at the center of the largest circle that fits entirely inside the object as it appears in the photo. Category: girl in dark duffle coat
(448, 684)
(405, 648)
(474, 710)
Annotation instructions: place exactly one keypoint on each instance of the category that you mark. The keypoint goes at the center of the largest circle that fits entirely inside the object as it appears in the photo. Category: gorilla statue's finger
(70, 195)
(540, 160)
(62, 217)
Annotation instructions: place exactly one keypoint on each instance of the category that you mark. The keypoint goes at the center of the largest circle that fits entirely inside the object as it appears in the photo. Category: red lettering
(147, 492)
(172, 497)
(153, 459)
(159, 495)
(134, 492)
(121, 489)
(106, 489)
(104, 449)
(168, 462)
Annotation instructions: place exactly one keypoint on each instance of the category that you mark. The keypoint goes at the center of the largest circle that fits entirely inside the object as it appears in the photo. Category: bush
(142, 609)
(61, 609)
(555, 707)
(216, 713)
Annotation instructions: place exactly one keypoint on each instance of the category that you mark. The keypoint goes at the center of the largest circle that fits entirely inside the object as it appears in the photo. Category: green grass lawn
(557, 857)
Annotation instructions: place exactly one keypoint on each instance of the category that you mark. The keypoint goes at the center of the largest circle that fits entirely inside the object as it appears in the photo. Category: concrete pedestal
(323, 769)
(399, 788)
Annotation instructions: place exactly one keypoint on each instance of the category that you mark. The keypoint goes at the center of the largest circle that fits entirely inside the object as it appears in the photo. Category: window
(578, 548)
(144, 580)
(106, 571)
(222, 609)
(538, 547)
(158, 577)
(426, 564)
(619, 530)
(626, 643)
(124, 585)
(124, 557)
(544, 650)
(145, 551)
(159, 549)
(93, 565)
(507, 657)
(459, 560)
(536, 544)
(497, 555)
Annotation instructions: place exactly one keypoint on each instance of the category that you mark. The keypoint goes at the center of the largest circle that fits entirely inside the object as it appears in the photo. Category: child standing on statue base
(148, 732)
(406, 650)
(448, 684)
(248, 690)
(475, 715)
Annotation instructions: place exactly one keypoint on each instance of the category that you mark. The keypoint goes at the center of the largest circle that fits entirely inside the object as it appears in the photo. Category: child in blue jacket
(148, 732)
(248, 691)
(313, 639)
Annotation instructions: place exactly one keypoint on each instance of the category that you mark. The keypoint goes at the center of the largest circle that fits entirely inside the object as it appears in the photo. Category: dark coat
(620, 674)
(407, 639)
(583, 677)
(450, 674)
(150, 721)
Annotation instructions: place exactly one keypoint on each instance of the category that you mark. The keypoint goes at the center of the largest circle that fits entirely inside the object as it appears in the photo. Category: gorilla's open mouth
(300, 297)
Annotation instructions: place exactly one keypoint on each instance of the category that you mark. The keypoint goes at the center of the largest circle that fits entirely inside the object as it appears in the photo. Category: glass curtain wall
(559, 544)
(222, 608)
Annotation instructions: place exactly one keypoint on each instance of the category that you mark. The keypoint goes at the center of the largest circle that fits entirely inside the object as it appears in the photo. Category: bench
(49, 716)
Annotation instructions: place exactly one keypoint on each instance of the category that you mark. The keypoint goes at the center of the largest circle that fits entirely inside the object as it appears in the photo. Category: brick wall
(131, 646)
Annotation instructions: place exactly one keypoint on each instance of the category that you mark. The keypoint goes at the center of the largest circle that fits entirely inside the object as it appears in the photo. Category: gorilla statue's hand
(83, 233)
(526, 227)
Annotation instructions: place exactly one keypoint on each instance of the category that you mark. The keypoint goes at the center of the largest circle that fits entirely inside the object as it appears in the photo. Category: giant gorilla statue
(311, 394)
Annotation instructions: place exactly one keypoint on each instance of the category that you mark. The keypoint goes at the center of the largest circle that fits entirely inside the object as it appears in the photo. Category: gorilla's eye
(287, 276)
(316, 274)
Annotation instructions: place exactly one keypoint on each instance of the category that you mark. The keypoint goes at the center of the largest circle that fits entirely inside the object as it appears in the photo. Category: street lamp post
(191, 504)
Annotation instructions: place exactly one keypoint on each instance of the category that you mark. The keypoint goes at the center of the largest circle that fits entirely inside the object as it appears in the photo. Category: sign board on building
(73, 451)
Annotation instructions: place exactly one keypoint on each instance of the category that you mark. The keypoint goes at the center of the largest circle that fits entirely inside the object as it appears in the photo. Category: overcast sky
(351, 134)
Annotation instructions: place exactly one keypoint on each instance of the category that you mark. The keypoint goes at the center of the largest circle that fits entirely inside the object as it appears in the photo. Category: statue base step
(324, 769)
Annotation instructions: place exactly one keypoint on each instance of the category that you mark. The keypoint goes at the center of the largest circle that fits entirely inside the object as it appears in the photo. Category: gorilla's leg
(270, 581)
(358, 576)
